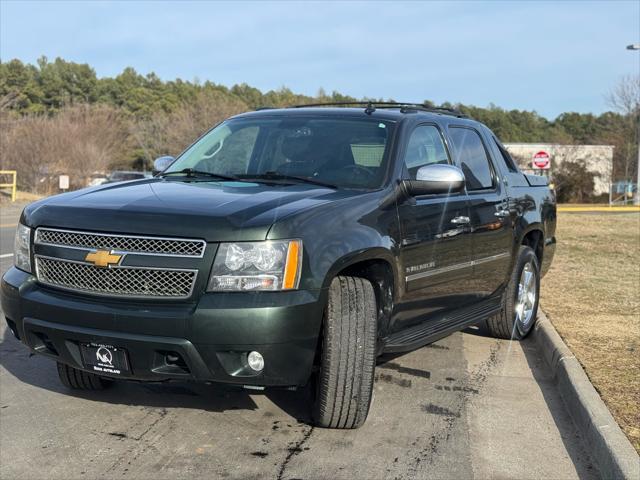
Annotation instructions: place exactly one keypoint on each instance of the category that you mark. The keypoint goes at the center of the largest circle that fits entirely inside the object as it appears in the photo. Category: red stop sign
(542, 160)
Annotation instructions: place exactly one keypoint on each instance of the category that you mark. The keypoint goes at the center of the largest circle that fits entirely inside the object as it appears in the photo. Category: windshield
(349, 153)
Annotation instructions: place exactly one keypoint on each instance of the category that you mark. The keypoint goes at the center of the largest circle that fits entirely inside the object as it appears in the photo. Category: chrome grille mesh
(123, 243)
(126, 281)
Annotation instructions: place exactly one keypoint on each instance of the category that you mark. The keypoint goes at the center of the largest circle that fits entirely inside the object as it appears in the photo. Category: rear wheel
(520, 299)
(344, 384)
(80, 380)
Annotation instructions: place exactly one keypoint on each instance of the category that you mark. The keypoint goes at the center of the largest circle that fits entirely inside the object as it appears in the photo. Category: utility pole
(636, 46)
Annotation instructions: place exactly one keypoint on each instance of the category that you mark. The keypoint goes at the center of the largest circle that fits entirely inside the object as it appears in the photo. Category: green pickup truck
(286, 248)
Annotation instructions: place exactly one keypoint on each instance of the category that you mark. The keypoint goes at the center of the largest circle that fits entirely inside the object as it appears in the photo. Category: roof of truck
(384, 111)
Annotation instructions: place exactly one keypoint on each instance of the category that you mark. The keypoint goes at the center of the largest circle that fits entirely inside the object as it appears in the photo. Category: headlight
(270, 265)
(22, 248)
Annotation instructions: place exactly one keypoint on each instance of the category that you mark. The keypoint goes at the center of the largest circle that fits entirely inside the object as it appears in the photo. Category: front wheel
(520, 299)
(344, 385)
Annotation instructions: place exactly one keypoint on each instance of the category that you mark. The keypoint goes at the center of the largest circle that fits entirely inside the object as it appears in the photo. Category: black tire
(80, 380)
(344, 385)
(505, 324)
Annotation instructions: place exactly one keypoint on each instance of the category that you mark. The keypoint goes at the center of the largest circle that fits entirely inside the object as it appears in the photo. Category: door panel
(435, 244)
(436, 259)
(491, 224)
(492, 237)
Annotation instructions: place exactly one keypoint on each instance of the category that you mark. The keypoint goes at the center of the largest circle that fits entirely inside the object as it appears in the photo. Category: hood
(214, 211)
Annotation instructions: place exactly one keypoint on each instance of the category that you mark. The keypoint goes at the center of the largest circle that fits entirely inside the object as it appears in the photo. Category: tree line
(59, 116)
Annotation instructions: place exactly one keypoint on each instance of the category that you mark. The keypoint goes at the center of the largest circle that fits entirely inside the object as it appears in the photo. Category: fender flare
(352, 258)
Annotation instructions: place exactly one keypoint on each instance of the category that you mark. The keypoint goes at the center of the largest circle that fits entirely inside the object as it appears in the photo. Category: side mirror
(160, 164)
(436, 179)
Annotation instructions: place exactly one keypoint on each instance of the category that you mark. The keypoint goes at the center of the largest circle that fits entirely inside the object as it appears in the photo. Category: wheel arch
(377, 266)
(534, 237)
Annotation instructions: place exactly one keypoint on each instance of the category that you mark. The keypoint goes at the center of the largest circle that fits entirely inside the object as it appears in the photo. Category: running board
(428, 332)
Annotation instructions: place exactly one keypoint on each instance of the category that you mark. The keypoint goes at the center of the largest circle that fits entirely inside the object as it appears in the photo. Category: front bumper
(211, 336)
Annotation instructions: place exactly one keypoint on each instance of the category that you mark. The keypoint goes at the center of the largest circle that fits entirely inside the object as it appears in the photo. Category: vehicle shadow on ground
(41, 372)
(480, 330)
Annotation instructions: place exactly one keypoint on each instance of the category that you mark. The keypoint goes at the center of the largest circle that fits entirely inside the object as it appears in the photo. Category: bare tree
(86, 139)
(625, 99)
(171, 133)
(574, 183)
(78, 141)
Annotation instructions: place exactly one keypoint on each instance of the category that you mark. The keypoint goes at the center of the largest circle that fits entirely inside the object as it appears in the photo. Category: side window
(506, 156)
(473, 158)
(424, 148)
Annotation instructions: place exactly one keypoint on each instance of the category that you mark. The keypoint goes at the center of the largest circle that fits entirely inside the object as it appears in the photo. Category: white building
(595, 158)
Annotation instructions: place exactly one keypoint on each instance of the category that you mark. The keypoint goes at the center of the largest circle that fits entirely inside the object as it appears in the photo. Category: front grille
(124, 281)
(122, 243)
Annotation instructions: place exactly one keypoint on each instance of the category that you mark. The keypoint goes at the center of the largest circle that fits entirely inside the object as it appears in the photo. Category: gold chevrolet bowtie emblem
(103, 258)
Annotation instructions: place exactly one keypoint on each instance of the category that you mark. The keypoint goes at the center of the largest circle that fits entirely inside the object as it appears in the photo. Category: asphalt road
(468, 406)
(9, 216)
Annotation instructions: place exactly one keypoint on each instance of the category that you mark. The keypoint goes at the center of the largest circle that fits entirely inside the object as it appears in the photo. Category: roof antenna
(370, 108)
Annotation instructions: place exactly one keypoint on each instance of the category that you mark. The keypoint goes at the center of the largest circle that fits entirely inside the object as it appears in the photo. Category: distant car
(286, 247)
(97, 180)
(123, 175)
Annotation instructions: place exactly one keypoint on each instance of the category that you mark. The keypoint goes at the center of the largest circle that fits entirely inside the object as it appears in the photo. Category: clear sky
(544, 56)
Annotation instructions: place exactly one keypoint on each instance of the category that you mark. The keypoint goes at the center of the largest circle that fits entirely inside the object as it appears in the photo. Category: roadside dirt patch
(592, 296)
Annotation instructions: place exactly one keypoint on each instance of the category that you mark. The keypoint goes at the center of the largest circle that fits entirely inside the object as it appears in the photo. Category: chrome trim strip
(491, 258)
(438, 271)
(115, 295)
(124, 252)
(457, 266)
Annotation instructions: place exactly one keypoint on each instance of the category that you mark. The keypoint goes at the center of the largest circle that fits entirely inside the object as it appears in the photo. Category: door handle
(502, 213)
(460, 220)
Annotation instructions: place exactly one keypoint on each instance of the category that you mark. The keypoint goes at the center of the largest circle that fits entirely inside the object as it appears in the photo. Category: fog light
(171, 358)
(255, 361)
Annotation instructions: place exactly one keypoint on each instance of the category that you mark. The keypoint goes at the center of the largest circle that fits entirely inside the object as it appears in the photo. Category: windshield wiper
(190, 172)
(281, 176)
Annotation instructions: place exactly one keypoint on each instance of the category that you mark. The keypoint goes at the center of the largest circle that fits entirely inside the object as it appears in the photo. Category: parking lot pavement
(466, 406)
(9, 216)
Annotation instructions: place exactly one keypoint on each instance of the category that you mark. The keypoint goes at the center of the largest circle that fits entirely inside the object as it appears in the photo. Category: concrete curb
(610, 449)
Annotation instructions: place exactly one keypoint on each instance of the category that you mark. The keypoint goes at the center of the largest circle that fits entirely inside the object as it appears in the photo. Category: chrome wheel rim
(527, 291)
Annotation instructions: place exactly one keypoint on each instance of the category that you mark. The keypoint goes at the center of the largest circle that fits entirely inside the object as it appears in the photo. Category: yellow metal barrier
(11, 185)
